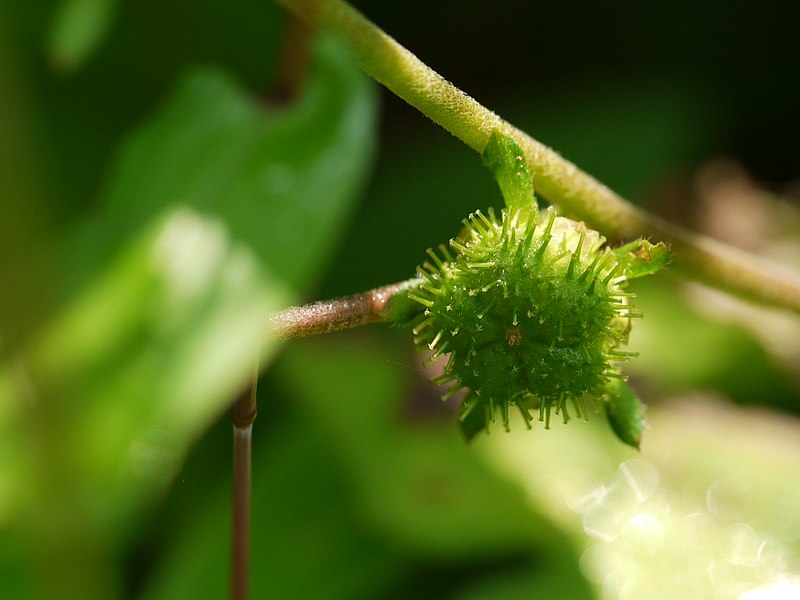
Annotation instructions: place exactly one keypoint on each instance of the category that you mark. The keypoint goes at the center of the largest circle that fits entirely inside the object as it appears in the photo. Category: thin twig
(577, 193)
(294, 58)
(291, 75)
(243, 414)
(327, 316)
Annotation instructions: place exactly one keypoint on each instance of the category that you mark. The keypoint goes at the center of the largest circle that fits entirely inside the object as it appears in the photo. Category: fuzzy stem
(338, 314)
(577, 193)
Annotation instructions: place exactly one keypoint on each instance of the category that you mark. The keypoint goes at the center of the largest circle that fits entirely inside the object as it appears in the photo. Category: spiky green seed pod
(531, 311)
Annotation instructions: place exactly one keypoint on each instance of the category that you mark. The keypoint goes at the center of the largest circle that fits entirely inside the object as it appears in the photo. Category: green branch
(577, 193)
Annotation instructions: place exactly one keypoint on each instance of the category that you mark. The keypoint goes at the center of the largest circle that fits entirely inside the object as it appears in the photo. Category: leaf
(722, 355)
(641, 257)
(507, 163)
(78, 29)
(418, 483)
(282, 179)
(303, 514)
(219, 212)
(626, 414)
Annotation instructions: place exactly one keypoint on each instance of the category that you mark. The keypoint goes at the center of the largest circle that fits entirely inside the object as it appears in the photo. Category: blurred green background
(159, 200)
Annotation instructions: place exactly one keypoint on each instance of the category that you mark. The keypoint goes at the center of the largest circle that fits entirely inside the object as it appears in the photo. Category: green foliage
(78, 30)
(360, 497)
(213, 218)
(626, 413)
(130, 313)
(268, 173)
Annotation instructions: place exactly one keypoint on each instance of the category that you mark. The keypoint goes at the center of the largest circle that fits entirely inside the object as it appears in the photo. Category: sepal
(626, 413)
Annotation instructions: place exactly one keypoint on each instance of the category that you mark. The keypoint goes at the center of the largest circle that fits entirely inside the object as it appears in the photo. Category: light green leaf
(78, 29)
(641, 257)
(626, 414)
(220, 211)
(281, 178)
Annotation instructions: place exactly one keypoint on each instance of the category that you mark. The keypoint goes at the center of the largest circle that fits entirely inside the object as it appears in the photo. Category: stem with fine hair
(327, 316)
(577, 193)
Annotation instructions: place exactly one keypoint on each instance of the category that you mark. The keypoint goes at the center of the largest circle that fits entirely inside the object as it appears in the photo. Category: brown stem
(335, 315)
(243, 414)
(294, 60)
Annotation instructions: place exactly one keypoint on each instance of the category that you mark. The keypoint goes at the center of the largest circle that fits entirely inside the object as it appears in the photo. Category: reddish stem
(243, 414)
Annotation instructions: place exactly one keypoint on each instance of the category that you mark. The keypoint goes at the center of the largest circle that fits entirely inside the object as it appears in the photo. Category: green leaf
(626, 414)
(303, 514)
(78, 29)
(724, 355)
(418, 483)
(220, 211)
(641, 257)
(507, 163)
(255, 198)
(282, 179)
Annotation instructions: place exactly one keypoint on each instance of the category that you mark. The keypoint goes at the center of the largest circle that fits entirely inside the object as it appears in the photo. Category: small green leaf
(626, 414)
(78, 29)
(641, 257)
(507, 163)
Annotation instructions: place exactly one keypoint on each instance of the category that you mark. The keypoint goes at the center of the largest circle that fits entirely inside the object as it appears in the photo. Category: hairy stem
(338, 314)
(577, 193)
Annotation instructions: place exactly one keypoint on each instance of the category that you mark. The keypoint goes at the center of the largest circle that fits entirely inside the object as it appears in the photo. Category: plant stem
(577, 193)
(243, 414)
(293, 64)
(338, 314)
